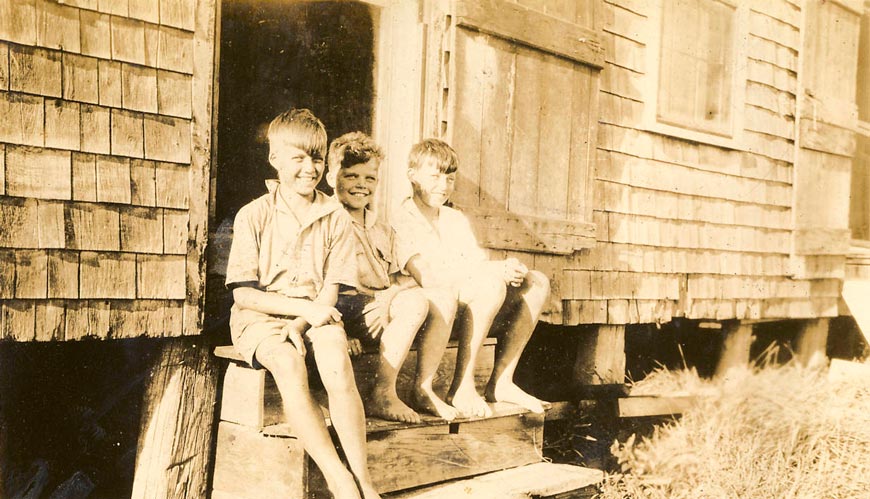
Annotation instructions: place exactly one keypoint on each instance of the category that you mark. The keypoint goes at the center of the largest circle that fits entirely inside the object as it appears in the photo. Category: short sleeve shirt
(378, 254)
(449, 248)
(274, 250)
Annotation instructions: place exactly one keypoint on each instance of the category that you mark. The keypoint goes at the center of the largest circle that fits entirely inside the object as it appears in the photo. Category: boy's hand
(319, 315)
(514, 272)
(378, 311)
(294, 335)
(354, 347)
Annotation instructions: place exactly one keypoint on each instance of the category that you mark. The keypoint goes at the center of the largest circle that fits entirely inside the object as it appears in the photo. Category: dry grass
(773, 432)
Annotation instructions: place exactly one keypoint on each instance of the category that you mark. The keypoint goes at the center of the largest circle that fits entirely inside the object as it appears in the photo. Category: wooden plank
(113, 179)
(174, 94)
(200, 156)
(167, 139)
(600, 356)
(38, 173)
(175, 434)
(107, 275)
(498, 100)
(143, 182)
(96, 35)
(63, 274)
(823, 137)
(19, 320)
(139, 88)
(128, 40)
(62, 124)
(19, 22)
(176, 47)
(249, 465)
(736, 343)
(145, 10)
(96, 129)
(172, 185)
(110, 83)
(92, 227)
(556, 129)
(18, 223)
(35, 71)
(518, 23)
(177, 13)
(31, 274)
(584, 107)
(80, 78)
(115, 7)
(50, 219)
(475, 447)
(467, 113)
(175, 231)
(160, 277)
(57, 27)
(7, 273)
(821, 241)
(24, 119)
(2, 169)
(539, 480)
(242, 396)
(522, 186)
(141, 230)
(498, 229)
(50, 320)
(811, 342)
(637, 406)
(84, 177)
(128, 133)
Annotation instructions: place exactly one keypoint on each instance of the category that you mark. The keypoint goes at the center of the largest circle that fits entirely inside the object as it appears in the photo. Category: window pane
(695, 71)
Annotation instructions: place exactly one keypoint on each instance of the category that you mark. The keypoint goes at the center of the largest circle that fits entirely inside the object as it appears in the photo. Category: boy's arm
(316, 313)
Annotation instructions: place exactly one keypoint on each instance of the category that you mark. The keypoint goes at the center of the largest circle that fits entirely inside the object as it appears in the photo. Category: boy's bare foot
(509, 392)
(426, 400)
(470, 403)
(385, 404)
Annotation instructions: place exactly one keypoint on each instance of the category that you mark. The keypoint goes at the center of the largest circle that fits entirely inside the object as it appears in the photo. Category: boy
(291, 249)
(382, 308)
(449, 255)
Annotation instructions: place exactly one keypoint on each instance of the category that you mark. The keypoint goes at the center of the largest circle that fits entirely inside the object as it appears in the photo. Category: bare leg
(288, 369)
(483, 293)
(520, 320)
(407, 311)
(329, 345)
(433, 340)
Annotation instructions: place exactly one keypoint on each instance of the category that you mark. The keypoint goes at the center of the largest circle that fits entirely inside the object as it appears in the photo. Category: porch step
(538, 480)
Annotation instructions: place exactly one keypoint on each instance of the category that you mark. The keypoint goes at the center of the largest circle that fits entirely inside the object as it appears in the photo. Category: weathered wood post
(736, 343)
(810, 344)
(175, 435)
(600, 357)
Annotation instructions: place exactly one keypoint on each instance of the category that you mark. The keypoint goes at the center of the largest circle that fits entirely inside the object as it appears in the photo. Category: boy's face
(431, 185)
(355, 186)
(296, 169)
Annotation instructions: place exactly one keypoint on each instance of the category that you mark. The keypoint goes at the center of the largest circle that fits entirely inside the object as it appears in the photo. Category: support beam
(736, 343)
(810, 344)
(176, 429)
(600, 357)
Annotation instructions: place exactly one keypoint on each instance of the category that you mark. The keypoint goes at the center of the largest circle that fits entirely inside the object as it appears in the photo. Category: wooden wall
(104, 146)
(682, 227)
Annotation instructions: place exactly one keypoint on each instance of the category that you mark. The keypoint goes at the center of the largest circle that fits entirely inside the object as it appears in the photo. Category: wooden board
(249, 465)
(856, 293)
(538, 480)
(653, 405)
(396, 458)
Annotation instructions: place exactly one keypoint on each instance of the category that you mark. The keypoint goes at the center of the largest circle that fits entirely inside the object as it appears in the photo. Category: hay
(774, 432)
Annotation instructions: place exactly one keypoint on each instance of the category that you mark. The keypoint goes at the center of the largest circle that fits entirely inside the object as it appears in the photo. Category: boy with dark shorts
(502, 297)
(292, 248)
(383, 308)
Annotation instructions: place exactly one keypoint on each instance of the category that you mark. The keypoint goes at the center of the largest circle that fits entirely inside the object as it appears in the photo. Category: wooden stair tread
(375, 425)
(532, 480)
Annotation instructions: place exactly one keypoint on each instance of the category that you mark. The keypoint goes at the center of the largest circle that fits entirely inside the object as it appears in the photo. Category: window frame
(651, 122)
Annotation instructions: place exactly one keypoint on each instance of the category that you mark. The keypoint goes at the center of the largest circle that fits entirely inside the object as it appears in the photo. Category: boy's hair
(440, 152)
(299, 128)
(352, 149)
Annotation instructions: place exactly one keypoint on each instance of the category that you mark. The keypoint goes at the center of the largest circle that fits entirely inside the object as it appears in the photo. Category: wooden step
(250, 397)
(538, 480)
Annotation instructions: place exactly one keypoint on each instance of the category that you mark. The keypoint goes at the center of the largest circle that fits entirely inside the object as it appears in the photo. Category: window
(693, 71)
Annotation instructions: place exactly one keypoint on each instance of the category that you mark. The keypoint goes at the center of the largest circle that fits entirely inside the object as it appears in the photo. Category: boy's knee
(538, 282)
(483, 287)
(282, 360)
(411, 305)
(442, 299)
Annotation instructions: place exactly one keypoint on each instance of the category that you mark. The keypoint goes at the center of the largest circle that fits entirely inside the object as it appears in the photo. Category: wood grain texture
(107, 275)
(96, 129)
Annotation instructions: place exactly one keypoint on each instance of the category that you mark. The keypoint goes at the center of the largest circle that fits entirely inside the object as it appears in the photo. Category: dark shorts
(355, 320)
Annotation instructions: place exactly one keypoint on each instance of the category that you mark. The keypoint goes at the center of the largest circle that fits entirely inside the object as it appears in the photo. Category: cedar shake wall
(96, 180)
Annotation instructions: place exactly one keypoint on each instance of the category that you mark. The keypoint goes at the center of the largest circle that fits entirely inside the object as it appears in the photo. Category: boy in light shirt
(502, 297)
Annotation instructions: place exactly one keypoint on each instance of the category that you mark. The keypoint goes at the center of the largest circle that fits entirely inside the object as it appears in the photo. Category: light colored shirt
(273, 250)
(378, 254)
(448, 248)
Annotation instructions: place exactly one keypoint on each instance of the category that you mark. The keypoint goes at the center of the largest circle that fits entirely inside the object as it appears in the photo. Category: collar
(413, 210)
(322, 205)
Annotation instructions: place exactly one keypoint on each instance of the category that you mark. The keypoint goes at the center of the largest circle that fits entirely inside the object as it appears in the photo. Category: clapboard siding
(97, 167)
